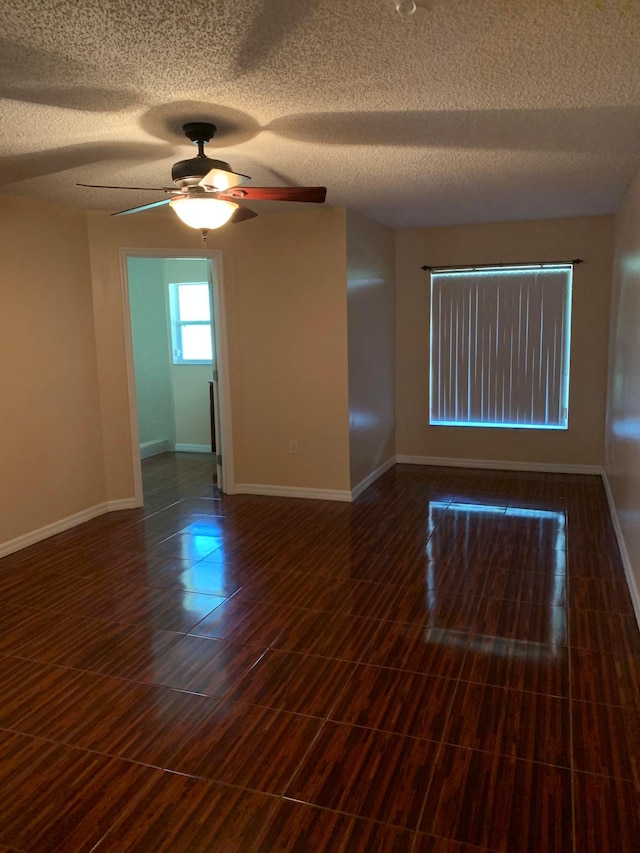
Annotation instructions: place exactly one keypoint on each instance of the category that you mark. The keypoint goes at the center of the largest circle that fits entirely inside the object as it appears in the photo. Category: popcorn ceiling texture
(471, 110)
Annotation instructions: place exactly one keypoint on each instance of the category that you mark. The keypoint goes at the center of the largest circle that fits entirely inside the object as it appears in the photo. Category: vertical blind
(500, 346)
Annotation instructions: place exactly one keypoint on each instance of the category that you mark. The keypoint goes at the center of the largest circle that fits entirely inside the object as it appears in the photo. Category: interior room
(339, 604)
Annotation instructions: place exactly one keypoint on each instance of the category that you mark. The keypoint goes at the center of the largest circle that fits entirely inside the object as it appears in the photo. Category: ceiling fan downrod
(199, 132)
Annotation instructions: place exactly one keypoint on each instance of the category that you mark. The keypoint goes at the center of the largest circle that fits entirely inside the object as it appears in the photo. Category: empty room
(320, 434)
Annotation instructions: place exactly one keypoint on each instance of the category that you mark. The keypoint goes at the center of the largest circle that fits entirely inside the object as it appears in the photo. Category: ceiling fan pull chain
(204, 233)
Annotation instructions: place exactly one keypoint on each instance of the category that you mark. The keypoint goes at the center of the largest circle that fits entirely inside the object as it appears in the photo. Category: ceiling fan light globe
(204, 214)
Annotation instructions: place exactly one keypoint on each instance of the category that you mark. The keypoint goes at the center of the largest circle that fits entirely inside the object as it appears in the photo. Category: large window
(500, 346)
(190, 305)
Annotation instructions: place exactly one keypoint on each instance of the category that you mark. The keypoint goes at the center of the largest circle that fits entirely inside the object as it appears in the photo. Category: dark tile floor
(451, 663)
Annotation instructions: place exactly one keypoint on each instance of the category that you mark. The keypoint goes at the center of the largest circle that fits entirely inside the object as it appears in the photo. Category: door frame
(225, 439)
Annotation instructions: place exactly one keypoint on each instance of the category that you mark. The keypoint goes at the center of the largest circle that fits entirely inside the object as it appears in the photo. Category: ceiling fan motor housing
(188, 173)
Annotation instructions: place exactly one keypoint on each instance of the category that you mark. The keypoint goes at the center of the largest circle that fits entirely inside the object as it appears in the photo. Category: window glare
(193, 302)
(196, 343)
(191, 327)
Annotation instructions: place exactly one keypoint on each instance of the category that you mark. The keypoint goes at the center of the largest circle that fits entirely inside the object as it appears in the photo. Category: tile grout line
(439, 751)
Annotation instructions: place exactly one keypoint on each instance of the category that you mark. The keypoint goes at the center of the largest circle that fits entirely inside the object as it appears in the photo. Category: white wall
(151, 349)
(623, 405)
(191, 406)
(172, 399)
(190, 382)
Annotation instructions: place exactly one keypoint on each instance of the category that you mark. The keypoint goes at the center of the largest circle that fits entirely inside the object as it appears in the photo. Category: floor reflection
(479, 532)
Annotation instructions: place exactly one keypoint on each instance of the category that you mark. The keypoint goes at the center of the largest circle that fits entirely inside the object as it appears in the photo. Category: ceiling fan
(207, 193)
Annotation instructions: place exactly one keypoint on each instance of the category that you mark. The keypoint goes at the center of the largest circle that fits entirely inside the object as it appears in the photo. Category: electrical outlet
(293, 446)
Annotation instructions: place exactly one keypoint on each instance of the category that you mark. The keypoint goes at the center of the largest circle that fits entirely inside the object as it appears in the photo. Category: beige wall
(284, 279)
(50, 439)
(623, 412)
(552, 240)
(289, 332)
(371, 344)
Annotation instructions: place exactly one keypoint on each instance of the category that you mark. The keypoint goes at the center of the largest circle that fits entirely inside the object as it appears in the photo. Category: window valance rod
(492, 266)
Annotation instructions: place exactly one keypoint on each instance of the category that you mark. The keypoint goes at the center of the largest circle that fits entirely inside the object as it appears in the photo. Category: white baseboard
(122, 503)
(291, 492)
(63, 524)
(371, 478)
(330, 495)
(193, 448)
(153, 448)
(500, 465)
(626, 560)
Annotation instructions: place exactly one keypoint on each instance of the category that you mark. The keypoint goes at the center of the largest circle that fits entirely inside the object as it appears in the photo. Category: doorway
(178, 391)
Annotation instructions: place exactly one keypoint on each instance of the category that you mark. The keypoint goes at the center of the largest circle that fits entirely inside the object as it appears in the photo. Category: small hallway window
(190, 307)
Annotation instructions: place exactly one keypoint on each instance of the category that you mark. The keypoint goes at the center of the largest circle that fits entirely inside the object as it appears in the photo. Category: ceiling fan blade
(221, 179)
(142, 207)
(309, 194)
(242, 213)
(155, 189)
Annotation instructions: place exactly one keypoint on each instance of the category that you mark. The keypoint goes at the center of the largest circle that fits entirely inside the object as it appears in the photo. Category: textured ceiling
(471, 110)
